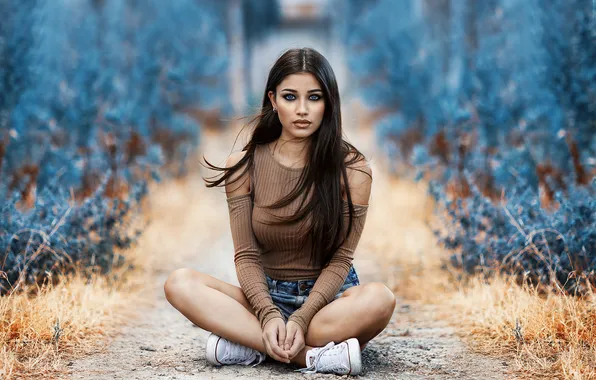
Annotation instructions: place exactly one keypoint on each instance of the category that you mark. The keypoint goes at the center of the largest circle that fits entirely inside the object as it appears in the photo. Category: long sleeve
(248, 261)
(334, 275)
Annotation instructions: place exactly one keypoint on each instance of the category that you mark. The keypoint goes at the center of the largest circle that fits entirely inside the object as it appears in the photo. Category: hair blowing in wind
(328, 156)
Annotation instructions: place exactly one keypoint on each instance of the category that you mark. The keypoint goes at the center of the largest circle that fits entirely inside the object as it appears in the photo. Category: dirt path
(163, 343)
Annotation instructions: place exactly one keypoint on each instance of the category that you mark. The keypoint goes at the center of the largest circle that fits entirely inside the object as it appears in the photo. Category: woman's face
(299, 97)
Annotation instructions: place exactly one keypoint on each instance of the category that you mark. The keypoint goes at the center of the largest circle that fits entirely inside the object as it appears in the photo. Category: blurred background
(478, 118)
(490, 101)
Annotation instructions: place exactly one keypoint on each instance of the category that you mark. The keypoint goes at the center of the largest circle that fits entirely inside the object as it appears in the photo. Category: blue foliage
(93, 103)
(495, 103)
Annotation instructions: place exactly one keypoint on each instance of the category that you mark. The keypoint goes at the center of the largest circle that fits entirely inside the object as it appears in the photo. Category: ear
(271, 96)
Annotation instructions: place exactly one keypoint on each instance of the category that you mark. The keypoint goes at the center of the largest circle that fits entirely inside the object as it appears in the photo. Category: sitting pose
(296, 216)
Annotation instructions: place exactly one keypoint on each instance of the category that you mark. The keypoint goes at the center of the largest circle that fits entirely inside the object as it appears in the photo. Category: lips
(302, 124)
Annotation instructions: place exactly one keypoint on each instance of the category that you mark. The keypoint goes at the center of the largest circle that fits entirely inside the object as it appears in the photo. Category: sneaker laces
(325, 363)
(234, 351)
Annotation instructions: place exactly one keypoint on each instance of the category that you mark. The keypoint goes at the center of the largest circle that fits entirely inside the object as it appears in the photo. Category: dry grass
(550, 336)
(41, 334)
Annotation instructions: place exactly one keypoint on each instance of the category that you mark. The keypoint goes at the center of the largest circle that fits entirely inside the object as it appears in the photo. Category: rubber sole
(211, 349)
(355, 356)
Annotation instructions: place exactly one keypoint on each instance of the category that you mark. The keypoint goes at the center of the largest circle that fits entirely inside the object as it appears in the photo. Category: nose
(302, 111)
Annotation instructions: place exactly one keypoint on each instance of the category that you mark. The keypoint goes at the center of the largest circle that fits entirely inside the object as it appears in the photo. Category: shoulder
(239, 181)
(359, 169)
(235, 158)
(359, 180)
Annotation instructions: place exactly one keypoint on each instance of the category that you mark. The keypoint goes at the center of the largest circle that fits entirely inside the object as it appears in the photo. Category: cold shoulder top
(282, 252)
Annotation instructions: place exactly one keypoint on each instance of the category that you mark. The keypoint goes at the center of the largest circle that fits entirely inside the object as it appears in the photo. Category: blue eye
(285, 97)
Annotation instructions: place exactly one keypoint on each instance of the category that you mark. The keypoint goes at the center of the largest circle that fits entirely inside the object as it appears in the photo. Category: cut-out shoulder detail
(366, 168)
(355, 204)
(245, 195)
(359, 209)
(235, 184)
(357, 168)
(360, 186)
(362, 162)
(235, 157)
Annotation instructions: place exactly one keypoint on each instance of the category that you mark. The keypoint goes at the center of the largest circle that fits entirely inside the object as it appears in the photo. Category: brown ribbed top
(261, 249)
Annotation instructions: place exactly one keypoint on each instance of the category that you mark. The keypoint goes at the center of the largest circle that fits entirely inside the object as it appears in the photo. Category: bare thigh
(214, 305)
(196, 277)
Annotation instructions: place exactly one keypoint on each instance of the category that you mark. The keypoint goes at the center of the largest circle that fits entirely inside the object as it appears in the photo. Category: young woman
(297, 197)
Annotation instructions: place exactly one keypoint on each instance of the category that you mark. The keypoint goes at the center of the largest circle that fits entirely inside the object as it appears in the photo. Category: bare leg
(362, 312)
(215, 306)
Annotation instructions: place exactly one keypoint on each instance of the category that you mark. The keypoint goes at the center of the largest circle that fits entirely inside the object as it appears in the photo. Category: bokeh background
(491, 102)
(478, 118)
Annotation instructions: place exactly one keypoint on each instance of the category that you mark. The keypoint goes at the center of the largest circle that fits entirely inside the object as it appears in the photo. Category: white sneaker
(341, 359)
(222, 351)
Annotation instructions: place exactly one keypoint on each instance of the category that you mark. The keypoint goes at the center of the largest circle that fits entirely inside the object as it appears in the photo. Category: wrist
(299, 321)
(271, 316)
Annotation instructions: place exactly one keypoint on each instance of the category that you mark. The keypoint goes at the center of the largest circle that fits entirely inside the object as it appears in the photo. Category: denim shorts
(290, 295)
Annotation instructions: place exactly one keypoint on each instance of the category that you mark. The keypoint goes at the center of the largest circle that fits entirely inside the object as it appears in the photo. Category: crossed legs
(362, 311)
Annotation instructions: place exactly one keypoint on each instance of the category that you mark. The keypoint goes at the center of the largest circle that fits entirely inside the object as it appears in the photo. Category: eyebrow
(309, 91)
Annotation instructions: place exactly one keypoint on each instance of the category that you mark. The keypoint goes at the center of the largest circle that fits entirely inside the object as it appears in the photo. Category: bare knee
(183, 280)
(177, 280)
(380, 300)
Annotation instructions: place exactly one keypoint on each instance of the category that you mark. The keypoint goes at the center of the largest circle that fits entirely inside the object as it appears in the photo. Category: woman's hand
(294, 342)
(274, 336)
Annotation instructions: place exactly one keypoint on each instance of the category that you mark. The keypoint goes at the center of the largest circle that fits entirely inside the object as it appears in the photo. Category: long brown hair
(326, 159)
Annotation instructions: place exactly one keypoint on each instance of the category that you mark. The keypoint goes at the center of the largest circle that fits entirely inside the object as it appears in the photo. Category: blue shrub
(93, 102)
(494, 102)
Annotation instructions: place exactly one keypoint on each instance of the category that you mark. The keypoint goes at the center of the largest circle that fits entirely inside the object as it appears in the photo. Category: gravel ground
(165, 344)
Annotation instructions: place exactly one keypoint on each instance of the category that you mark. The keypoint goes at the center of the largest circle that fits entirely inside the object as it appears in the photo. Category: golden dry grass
(40, 334)
(551, 336)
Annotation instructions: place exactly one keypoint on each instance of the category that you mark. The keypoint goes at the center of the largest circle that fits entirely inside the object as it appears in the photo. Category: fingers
(271, 331)
(295, 341)
(298, 341)
(281, 336)
(297, 346)
(275, 351)
(271, 352)
(272, 344)
(290, 336)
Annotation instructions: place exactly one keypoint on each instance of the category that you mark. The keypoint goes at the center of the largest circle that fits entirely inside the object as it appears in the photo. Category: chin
(302, 132)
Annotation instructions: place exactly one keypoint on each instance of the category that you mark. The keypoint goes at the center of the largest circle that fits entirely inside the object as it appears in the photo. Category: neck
(294, 150)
